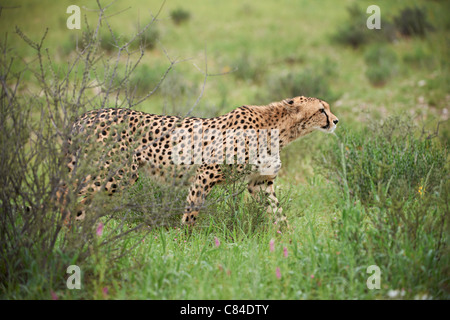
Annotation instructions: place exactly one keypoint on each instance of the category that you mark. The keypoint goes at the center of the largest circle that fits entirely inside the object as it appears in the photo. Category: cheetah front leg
(206, 178)
(264, 185)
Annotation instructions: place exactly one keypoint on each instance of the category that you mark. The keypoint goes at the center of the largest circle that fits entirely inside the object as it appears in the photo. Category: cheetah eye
(322, 110)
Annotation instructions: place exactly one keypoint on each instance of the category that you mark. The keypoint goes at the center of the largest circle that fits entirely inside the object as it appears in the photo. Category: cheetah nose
(335, 121)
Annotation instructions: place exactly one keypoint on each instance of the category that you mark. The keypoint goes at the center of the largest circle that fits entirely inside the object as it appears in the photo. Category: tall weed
(394, 186)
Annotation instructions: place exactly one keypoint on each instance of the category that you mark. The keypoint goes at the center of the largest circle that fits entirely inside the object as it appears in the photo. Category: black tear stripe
(328, 121)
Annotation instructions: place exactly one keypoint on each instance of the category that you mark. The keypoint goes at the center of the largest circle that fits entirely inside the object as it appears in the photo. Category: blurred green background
(266, 51)
(277, 49)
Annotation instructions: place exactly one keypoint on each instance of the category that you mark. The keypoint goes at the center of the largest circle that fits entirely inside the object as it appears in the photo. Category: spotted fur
(129, 140)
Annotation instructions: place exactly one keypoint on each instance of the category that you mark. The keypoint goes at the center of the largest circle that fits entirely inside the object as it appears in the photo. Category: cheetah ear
(290, 107)
(288, 101)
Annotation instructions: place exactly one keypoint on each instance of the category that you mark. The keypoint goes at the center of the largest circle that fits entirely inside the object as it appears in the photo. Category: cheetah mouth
(328, 128)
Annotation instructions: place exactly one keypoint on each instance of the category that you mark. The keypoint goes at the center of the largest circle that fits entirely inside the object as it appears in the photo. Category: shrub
(76, 41)
(412, 22)
(381, 64)
(247, 68)
(355, 33)
(153, 203)
(392, 156)
(86, 39)
(419, 57)
(180, 15)
(394, 190)
(109, 41)
(311, 81)
(388, 164)
(145, 78)
(178, 93)
(32, 174)
(148, 38)
(234, 213)
(68, 45)
(35, 126)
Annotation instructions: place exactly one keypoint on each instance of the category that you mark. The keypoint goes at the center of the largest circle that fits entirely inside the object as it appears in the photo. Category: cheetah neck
(275, 116)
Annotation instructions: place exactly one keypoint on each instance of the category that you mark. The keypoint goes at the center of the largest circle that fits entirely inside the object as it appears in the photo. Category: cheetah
(127, 140)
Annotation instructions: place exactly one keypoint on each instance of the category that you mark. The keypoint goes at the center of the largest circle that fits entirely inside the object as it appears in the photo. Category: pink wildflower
(285, 252)
(312, 276)
(278, 272)
(217, 242)
(272, 245)
(105, 292)
(100, 229)
(54, 295)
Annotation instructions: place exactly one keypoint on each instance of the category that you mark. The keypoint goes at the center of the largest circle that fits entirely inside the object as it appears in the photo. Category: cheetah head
(311, 114)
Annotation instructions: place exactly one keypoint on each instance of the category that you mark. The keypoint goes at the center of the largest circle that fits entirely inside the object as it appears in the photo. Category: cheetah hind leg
(265, 185)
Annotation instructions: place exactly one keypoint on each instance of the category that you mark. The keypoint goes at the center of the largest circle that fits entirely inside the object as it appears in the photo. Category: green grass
(325, 256)
(346, 209)
(171, 264)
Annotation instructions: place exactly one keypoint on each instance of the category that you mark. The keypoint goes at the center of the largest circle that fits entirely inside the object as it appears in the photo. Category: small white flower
(423, 296)
(396, 293)
(393, 293)
(421, 83)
